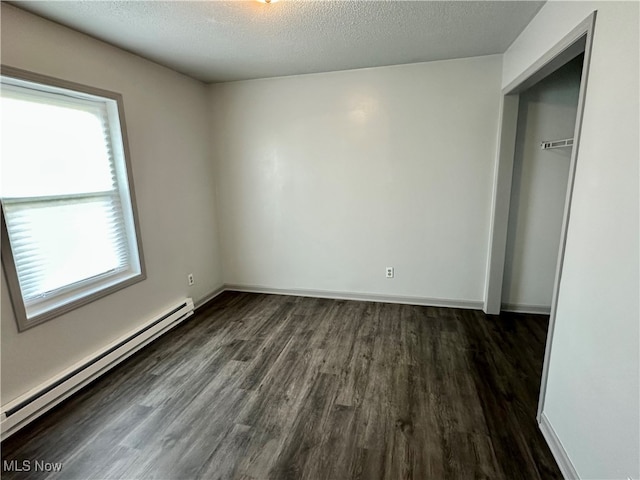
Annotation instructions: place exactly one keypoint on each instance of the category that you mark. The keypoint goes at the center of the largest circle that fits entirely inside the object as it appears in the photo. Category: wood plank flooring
(276, 387)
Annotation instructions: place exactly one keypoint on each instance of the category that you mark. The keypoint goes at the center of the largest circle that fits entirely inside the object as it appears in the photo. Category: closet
(545, 128)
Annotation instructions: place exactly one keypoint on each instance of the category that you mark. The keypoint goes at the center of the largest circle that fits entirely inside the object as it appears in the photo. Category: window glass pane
(60, 243)
(53, 150)
(65, 196)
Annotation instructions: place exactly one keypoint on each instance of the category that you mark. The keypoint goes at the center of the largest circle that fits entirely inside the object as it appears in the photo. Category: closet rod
(547, 144)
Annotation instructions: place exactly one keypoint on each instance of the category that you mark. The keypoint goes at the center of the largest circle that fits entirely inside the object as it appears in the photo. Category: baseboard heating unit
(34, 403)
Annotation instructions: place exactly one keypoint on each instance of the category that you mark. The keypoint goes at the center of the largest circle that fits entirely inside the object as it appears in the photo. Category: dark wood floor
(276, 387)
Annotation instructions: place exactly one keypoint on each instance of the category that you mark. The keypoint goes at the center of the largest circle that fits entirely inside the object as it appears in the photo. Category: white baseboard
(365, 297)
(557, 449)
(535, 309)
(207, 298)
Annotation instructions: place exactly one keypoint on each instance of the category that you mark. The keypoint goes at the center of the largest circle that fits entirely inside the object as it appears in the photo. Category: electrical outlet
(389, 272)
(190, 279)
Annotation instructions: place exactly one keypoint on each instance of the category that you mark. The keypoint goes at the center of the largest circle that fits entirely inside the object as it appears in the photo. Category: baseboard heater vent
(34, 403)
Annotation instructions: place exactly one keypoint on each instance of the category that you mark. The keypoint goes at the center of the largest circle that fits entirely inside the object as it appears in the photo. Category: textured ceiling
(217, 41)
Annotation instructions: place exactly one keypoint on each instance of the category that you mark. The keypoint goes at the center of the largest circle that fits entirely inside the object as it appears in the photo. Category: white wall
(326, 179)
(166, 115)
(592, 399)
(547, 111)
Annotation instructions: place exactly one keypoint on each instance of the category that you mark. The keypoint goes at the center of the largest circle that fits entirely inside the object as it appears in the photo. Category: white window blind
(65, 195)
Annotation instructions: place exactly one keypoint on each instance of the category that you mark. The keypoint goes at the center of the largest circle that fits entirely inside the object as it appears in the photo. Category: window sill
(69, 302)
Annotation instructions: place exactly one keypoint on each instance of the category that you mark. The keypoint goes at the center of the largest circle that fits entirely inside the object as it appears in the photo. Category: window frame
(101, 287)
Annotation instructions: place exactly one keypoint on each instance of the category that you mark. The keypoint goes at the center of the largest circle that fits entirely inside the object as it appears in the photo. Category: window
(68, 218)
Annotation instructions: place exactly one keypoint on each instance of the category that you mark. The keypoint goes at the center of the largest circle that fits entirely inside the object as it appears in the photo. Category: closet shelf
(548, 144)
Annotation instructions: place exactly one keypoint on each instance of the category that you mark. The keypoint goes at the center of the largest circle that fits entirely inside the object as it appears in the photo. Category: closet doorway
(544, 139)
(518, 217)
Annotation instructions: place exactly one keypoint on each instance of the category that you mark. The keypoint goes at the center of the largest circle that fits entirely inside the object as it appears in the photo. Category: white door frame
(577, 41)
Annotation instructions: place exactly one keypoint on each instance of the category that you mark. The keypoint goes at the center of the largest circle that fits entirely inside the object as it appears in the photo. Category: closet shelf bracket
(548, 144)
